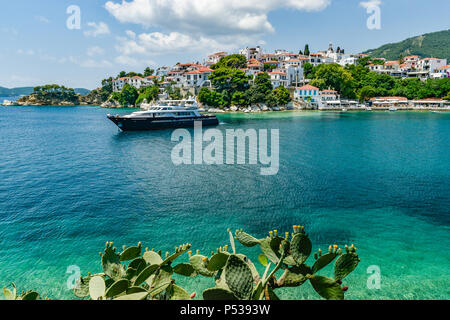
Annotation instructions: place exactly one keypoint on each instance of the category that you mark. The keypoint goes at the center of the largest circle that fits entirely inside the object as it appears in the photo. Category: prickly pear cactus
(239, 278)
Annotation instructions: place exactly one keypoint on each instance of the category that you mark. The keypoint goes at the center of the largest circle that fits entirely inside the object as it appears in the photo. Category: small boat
(167, 114)
(344, 110)
(392, 109)
(368, 109)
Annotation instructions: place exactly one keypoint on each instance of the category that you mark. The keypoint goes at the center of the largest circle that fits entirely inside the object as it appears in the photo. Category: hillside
(5, 92)
(436, 44)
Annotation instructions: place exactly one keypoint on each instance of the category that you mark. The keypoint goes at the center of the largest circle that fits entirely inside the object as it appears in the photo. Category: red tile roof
(308, 87)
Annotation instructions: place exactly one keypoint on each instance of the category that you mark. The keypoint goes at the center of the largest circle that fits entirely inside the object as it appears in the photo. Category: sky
(79, 43)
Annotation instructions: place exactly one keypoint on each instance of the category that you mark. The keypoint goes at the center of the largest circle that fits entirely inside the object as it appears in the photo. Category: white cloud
(97, 29)
(42, 19)
(205, 16)
(27, 52)
(95, 51)
(370, 3)
(200, 26)
(90, 63)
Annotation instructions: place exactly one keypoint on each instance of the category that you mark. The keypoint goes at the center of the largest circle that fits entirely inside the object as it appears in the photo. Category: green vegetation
(359, 82)
(147, 93)
(232, 86)
(5, 92)
(54, 91)
(127, 97)
(134, 274)
(436, 44)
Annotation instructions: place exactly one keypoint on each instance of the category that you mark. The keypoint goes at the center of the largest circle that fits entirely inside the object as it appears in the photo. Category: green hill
(5, 92)
(436, 44)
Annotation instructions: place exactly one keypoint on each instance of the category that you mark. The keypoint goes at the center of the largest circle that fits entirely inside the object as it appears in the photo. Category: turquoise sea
(70, 181)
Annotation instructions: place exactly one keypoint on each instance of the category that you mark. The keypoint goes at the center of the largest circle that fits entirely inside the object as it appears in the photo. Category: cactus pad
(239, 277)
(218, 294)
(245, 239)
(301, 248)
(323, 261)
(327, 288)
(345, 265)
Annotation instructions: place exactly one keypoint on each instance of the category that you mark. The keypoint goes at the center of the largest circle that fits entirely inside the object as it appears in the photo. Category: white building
(279, 78)
(308, 93)
(348, 60)
(215, 58)
(431, 64)
(198, 78)
(442, 72)
(252, 53)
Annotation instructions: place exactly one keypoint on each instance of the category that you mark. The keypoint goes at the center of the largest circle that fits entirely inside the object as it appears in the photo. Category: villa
(308, 93)
(278, 79)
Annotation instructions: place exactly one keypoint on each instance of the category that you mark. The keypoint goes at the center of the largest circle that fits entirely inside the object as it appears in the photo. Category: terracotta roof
(444, 67)
(278, 72)
(308, 87)
(389, 63)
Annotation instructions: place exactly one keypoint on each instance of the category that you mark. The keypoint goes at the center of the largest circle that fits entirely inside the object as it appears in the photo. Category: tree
(262, 83)
(127, 97)
(282, 96)
(229, 80)
(239, 99)
(337, 77)
(300, 52)
(271, 100)
(308, 70)
(211, 98)
(366, 93)
(149, 94)
(148, 72)
(233, 61)
(122, 74)
(306, 51)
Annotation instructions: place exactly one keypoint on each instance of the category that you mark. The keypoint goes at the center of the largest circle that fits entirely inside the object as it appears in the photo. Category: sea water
(70, 181)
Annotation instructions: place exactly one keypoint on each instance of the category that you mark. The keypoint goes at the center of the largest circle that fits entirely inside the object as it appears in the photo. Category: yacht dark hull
(146, 124)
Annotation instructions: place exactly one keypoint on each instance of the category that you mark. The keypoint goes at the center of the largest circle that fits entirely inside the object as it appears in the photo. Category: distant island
(24, 91)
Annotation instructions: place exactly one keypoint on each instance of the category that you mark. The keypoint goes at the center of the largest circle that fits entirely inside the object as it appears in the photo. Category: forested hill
(436, 45)
(5, 92)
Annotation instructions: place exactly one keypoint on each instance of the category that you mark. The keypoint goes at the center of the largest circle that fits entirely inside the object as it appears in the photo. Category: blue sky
(38, 48)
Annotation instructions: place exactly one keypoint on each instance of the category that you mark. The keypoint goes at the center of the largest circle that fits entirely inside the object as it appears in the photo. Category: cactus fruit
(239, 277)
(345, 288)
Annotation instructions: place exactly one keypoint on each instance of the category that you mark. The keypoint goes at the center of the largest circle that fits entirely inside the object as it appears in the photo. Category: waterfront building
(308, 93)
(386, 102)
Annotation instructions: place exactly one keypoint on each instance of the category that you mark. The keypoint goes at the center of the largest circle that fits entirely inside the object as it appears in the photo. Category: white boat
(392, 109)
(344, 109)
(368, 109)
(165, 114)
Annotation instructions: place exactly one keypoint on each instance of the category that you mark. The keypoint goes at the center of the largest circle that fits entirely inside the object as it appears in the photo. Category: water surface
(69, 181)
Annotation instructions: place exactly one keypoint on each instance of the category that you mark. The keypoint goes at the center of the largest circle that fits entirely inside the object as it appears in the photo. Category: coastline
(251, 111)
